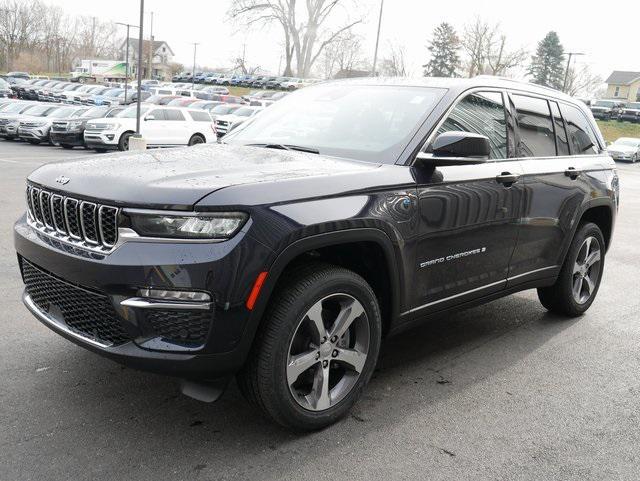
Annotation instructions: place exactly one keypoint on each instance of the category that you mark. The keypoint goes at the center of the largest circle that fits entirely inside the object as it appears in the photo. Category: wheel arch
(385, 281)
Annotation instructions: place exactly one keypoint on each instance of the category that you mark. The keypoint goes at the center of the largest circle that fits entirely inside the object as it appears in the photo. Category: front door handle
(507, 178)
(572, 173)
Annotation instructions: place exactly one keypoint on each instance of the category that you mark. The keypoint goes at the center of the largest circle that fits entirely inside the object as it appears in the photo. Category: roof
(458, 84)
(133, 43)
(621, 77)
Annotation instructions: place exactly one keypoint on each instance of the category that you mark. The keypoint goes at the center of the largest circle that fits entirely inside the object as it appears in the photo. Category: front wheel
(196, 139)
(123, 144)
(316, 349)
(579, 279)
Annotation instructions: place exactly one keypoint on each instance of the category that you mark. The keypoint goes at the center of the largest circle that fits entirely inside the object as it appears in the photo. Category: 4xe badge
(63, 180)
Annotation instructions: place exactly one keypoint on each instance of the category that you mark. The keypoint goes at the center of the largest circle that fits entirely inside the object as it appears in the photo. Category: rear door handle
(507, 178)
(572, 173)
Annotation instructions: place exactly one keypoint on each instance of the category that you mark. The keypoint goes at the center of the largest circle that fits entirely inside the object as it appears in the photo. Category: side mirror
(150, 117)
(457, 148)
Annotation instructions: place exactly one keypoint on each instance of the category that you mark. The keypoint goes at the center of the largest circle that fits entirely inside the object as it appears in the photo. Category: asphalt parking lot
(505, 391)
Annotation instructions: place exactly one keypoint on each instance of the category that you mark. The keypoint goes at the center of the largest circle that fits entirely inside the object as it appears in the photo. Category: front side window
(581, 137)
(481, 113)
(537, 138)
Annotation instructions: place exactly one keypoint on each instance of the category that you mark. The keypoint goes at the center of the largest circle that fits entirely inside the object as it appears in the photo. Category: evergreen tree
(547, 64)
(444, 48)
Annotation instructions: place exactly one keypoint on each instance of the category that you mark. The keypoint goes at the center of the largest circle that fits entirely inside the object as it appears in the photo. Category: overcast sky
(607, 43)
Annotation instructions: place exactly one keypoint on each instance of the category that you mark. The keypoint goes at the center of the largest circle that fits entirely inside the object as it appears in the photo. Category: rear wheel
(579, 279)
(316, 349)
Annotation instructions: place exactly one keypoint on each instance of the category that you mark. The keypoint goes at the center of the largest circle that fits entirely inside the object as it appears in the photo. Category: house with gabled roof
(624, 85)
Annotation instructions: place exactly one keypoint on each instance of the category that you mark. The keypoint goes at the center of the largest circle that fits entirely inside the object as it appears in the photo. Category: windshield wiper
(286, 147)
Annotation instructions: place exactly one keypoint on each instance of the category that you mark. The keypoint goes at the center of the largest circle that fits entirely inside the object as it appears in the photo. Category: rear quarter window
(581, 137)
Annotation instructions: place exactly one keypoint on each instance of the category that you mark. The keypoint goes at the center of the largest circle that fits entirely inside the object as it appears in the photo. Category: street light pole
(140, 55)
(375, 53)
(193, 72)
(566, 72)
(126, 75)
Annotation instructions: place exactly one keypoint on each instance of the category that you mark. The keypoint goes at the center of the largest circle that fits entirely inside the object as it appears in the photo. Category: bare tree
(19, 22)
(582, 81)
(487, 50)
(306, 26)
(393, 63)
(344, 54)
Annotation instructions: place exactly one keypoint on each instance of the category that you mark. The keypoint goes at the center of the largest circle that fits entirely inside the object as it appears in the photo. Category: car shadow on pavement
(417, 369)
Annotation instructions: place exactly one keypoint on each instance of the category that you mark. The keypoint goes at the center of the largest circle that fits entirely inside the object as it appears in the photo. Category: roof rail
(507, 79)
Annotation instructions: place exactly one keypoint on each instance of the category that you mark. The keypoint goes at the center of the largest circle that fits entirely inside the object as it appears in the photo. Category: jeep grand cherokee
(344, 213)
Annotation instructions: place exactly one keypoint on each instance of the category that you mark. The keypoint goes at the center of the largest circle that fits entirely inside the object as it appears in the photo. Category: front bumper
(67, 138)
(40, 134)
(101, 139)
(629, 117)
(220, 269)
(9, 131)
(602, 114)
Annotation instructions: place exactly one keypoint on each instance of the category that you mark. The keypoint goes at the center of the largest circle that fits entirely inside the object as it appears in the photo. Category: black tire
(33, 142)
(123, 143)
(196, 139)
(263, 379)
(100, 151)
(559, 297)
(66, 146)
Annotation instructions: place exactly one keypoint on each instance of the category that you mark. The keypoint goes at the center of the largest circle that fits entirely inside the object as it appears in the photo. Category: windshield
(63, 113)
(95, 112)
(244, 112)
(364, 122)
(604, 103)
(634, 105)
(16, 108)
(224, 109)
(130, 113)
(628, 142)
(4, 84)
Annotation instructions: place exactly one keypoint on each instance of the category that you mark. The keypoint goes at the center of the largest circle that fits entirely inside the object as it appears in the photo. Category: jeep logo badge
(63, 180)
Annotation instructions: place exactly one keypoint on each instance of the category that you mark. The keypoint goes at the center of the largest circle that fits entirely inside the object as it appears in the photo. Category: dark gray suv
(342, 214)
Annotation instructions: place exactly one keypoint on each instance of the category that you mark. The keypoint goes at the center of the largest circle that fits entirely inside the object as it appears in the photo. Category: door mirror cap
(461, 144)
(456, 148)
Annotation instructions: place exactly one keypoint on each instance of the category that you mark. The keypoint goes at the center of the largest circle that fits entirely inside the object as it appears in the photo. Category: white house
(162, 56)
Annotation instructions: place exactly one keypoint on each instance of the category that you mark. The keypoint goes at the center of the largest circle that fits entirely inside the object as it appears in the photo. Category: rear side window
(481, 113)
(200, 116)
(581, 137)
(561, 134)
(537, 138)
(174, 115)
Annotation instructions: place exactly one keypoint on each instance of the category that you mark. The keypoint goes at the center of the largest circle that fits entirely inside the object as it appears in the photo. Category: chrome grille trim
(83, 225)
(61, 217)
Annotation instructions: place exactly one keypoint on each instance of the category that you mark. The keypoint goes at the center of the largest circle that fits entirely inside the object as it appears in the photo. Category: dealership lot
(503, 391)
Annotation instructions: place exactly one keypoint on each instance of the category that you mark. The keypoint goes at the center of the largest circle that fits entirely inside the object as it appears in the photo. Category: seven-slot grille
(77, 221)
(59, 126)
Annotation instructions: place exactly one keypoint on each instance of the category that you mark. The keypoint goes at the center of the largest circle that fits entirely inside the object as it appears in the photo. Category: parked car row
(250, 81)
(616, 109)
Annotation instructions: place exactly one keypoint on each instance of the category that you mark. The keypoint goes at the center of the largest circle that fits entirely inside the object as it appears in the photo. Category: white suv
(160, 126)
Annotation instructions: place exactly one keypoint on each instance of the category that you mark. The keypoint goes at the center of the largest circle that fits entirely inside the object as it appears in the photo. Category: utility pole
(375, 53)
(193, 72)
(126, 64)
(566, 72)
(140, 51)
(150, 62)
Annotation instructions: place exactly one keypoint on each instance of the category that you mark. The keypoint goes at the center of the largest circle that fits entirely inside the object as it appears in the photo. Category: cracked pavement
(501, 391)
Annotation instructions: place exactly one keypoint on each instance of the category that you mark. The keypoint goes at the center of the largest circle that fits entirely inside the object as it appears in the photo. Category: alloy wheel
(586, 270)
(328, 352)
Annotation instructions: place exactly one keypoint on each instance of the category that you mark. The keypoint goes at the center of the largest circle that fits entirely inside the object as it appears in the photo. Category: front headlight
(219, 225)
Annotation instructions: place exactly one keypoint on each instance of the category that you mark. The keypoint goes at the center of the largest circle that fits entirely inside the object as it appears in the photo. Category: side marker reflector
(255, 291)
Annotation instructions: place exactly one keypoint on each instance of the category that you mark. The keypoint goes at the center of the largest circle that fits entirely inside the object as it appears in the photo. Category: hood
(179, 178)
(232, 118)
(624, 149)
